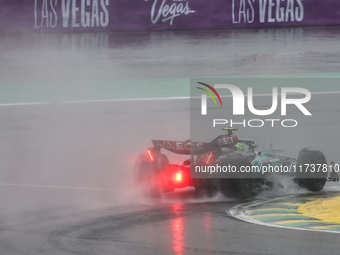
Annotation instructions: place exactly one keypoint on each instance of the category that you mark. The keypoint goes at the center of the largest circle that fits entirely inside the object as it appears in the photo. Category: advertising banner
(147, 15)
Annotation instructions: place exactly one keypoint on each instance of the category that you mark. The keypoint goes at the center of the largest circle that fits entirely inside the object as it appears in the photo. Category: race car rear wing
(182, 147)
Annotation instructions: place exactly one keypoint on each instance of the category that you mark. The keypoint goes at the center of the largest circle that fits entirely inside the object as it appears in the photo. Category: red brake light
(178, 177)
(150, 155)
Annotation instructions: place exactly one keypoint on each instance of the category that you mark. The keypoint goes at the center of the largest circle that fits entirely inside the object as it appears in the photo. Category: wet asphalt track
(200, 228)
(59, 147)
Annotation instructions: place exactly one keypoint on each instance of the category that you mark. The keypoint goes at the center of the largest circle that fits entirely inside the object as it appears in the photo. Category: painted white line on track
(19, 104)
(326, 92)
(238, 213)
(139, 99)
(53, 187)
(173, 98)
(124, 100)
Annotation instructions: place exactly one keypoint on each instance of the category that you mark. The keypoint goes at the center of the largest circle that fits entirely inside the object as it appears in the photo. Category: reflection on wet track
(177, 228)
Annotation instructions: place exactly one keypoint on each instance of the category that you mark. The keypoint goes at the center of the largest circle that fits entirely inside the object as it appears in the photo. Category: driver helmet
(240, 147)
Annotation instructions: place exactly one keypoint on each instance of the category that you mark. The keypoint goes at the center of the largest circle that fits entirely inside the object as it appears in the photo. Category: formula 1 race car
(153, 169)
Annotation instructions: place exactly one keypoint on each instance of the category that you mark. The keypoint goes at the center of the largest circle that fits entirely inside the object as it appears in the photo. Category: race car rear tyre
(243, 187)
(207, 188)
(313, 180)
(145, 172)
(211, 189)
(240, 188)
(227, 187)
(142, 169)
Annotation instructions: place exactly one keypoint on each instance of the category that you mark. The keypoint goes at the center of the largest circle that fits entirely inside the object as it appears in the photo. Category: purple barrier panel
(145, 15)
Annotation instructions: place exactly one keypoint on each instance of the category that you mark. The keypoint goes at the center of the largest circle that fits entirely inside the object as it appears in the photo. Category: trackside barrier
(19, 16)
